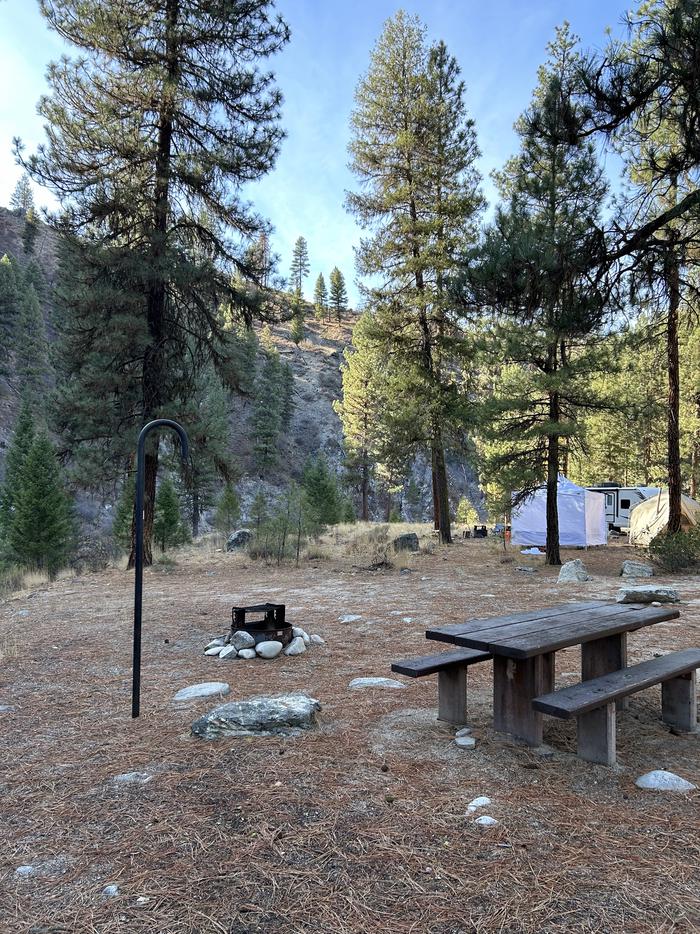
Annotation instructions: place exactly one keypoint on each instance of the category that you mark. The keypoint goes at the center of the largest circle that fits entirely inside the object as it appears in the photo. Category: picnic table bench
(523, 646)
(451, 669)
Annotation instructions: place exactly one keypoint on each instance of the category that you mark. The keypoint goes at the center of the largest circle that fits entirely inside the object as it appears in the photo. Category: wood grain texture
(430, 664)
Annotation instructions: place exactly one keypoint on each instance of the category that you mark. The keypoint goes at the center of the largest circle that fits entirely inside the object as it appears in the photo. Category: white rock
(648, 593)
(247, 653)
(214, 650)
(358, 683)
(242, 640)
(350, 618)
(205, 689)
(465, 731)
(486, 821)
(301, 633)
(636, 569)
(216, 642)
(481, 802)
(24, 871)
(317, 640)
(573, 571)
(465, 742)
(295, 647)
(111, 890)
(229, 651)
(133, 778)
(8, 708)
(270, 649)
(660, 780)
(407, 619)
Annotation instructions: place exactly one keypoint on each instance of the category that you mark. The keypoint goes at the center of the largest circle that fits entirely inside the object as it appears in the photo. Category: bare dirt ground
(355, 827)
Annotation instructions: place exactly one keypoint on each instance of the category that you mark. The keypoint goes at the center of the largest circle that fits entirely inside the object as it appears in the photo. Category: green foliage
(9, 299)
(272, 408)
(338, 298)
(297, 328)
(124, 513)
(323, 498)
(299, 269)
(20, 444)
(168, 527)
(320, 298)
(259, 512)
(32, 361)
(282, 534)
(228, 509)
(41, 528)
(675, 551)
(29, 234)
(22, 199)
(466, 513)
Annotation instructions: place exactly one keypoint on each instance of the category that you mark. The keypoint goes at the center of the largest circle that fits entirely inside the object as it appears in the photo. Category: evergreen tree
(41, 528)
(324, 503)
(297, 329)
(272, 408)
(320, 298)
(414, 151)
(20, 444)
(32, 364)
(338, 295)
(168, 527)
(228, 509)
(258, 510)
(299, 269)
(29, 234)
(22, 199)
(147, 152)
(124, 512)
(9, 302)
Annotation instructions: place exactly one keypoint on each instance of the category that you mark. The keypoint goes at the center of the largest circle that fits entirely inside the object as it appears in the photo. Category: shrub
(676, 551)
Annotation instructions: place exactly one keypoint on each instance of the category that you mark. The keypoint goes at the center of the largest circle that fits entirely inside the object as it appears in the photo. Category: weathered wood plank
(679, 702)
(430, 664)
(515, 684)
(581, 698)
(452, 695)
(601, 656)
(445, 633)
(560, 637)
(595, 735)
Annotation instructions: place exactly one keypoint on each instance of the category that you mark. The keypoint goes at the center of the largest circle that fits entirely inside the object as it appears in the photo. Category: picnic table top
(537, 632)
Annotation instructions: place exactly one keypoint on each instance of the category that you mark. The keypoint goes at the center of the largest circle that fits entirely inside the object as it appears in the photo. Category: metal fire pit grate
(272, 626)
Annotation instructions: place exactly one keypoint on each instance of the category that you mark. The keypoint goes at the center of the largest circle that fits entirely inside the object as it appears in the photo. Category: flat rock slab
(358, 683)
(282, 715)
(205, 689)
(660, 780)
(6, 708)
(648, 593)
(636, 569)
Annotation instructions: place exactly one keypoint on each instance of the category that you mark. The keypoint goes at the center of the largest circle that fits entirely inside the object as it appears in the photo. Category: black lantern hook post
(138, 553)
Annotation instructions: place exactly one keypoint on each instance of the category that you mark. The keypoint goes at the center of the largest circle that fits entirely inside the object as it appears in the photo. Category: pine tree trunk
(695, 454)
(553, 556)
(674, 395)
(442, 502)
(365, 490)
(436, 495)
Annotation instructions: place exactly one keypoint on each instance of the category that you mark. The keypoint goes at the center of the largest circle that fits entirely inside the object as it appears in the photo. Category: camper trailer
(620, 500)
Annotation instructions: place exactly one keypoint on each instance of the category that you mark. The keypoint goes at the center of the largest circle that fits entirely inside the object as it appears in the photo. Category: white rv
(620, 500)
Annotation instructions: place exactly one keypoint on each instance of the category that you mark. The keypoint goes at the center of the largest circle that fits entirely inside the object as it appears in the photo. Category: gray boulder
(283, 715)
(247, 653)
(239, 540)
(358, 684)
(648, 593)
(205, 689)
(230, 652)
(572, 572)
(636, 569)
(241, 639)
(215, 643)
(660, 780)
(298, 631)
(270, 649)
(406, 542)
(296, 647)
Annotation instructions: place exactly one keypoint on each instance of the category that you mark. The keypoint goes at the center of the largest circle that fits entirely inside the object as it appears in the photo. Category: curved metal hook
(138, 543)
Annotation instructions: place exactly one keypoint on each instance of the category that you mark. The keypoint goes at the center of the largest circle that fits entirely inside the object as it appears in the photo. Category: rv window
(608, 499)
(624, 504)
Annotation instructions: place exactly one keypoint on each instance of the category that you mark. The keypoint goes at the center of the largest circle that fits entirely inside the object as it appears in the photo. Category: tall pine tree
(338, 298)
(299, 268)
(320, 298)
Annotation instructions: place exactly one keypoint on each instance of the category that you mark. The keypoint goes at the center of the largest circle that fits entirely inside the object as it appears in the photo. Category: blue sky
(499, 45)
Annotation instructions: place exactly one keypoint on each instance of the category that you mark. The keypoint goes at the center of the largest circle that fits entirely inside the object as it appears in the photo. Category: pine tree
(228, 509)
(297, 328)
(32, 366)
(20, 444)
(148, 151)
(320, 298)
(414, 151)
(338, 295)
(9, 302)
(168, 527)
(299, 269)
(41, 529)
(124, 512)
(266, 422)
(29, 234)
(258, 511)
(22, 199)
(324, 504)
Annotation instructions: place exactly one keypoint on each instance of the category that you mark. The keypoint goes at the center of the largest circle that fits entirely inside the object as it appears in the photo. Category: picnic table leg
(452, 695)
(679, 705)
(601, 656)
(515, 682)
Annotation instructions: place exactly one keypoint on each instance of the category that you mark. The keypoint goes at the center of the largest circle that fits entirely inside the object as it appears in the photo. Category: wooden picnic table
(524, 644)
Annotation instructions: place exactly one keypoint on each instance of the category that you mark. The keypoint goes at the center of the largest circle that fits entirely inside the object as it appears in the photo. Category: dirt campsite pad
(358, 825)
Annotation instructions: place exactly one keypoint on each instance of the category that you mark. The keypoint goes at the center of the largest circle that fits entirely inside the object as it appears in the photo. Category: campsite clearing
(361, 823)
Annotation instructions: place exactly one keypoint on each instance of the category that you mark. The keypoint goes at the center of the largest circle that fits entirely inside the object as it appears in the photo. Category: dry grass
(357, 826)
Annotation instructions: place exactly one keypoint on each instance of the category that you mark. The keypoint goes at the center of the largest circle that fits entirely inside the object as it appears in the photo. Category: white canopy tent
(582, 520)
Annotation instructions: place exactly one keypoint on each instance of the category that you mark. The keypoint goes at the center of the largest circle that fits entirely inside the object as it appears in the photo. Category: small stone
(317, 640)
(7, 708)
(133, 778)
(660, 780)
(298, 631)
(407, 619)
(230, 652)
(465, 731)
(527, 570)
(270, 649)
(296, 646)
(111, 890)
(247, 653)
(572, 572)
(215, 650)
(481, 802)
(142, 900)
(358, 683)
(486, 821)
(350, 618)
(636, 569)
(205, 689)
(241, 639)
(214, 643)
(648, 593)
(24, 871)
(465, 742)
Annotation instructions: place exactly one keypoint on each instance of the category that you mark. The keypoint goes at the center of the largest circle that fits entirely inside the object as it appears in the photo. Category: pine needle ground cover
(359, 826)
